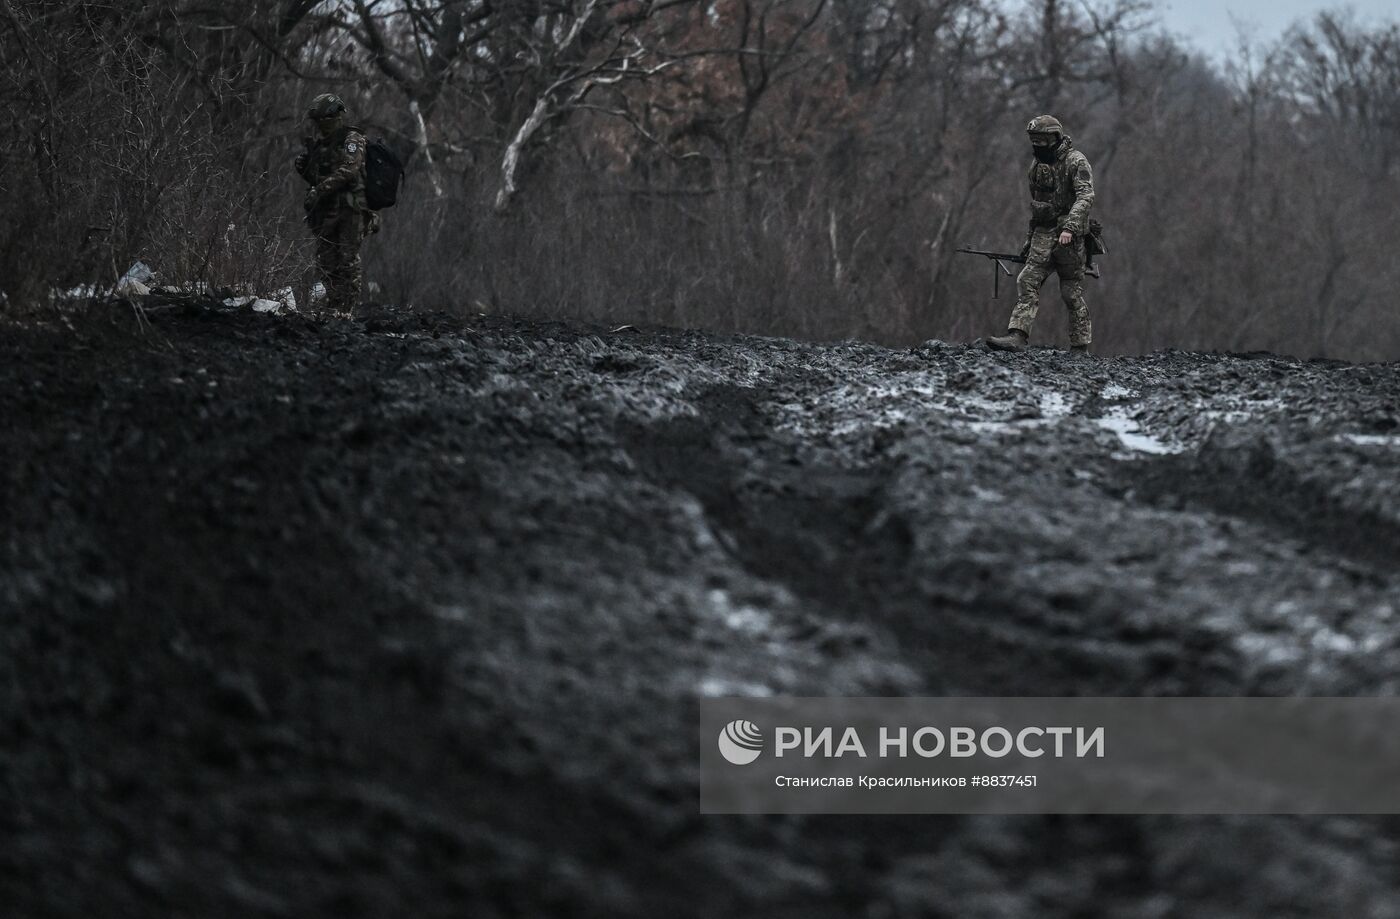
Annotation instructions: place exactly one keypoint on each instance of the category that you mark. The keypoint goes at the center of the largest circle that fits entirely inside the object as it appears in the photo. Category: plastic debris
(130, 287)
(139, 272)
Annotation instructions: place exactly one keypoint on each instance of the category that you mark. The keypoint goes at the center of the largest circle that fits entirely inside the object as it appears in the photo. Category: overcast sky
(1207, 22)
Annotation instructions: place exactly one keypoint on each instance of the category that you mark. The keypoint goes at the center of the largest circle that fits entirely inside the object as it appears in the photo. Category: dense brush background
(789, 167)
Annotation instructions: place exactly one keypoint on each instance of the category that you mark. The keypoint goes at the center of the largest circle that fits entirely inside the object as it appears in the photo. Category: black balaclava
(1046, 153)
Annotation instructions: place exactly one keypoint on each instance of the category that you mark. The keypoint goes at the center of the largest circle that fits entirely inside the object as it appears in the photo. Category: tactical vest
(326, 155)
(1052, 187)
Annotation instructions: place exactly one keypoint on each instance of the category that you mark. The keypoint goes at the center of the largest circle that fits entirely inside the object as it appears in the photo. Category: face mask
(327, 126)
(1044, 154)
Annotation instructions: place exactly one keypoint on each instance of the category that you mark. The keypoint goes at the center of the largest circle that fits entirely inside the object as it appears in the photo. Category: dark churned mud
(409, 617)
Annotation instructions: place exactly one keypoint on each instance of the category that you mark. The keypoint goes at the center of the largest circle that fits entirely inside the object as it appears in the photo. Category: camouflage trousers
(1048, 255)
(338, 238)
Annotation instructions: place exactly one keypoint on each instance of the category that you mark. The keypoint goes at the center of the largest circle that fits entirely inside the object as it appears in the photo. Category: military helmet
(1045, 124)
(326, 105)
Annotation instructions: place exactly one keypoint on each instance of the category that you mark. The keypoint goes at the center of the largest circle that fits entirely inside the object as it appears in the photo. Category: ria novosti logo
(740, 742)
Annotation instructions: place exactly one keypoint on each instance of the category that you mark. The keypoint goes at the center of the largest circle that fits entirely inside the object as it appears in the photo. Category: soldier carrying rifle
(1062, 191)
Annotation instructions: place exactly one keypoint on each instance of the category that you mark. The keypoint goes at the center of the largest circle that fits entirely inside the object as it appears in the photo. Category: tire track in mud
(836, 535)
(1244, 473)
(825, 532)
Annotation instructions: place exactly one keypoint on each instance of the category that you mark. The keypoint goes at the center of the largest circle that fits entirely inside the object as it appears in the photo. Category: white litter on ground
(139, 272)
(81, 292)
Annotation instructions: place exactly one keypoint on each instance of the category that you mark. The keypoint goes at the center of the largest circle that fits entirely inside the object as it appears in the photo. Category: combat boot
(1079, 351)
(1013, 340)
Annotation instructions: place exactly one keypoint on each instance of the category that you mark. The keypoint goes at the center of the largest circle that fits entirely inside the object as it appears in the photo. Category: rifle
(998, 266)
(309, 150)
(998, 258)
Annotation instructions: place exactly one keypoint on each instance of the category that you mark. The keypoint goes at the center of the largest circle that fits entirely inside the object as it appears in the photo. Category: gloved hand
(300, 162)
(312, 198)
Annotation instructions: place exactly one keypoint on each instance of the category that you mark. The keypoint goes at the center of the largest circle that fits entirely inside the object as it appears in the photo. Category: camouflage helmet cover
(1045, 124)
(326, 105)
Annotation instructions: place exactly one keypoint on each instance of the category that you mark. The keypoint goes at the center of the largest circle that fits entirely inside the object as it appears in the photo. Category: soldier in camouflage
(1062, 191)
(334, 165)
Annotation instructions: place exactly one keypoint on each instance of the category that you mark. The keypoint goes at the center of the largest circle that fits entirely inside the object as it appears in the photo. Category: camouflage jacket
(1062, 192)
(335, 167)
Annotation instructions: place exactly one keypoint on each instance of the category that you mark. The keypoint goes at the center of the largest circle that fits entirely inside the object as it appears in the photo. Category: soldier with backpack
(337, 209)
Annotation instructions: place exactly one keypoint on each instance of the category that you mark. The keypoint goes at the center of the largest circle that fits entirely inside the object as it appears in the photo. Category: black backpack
(383, 175)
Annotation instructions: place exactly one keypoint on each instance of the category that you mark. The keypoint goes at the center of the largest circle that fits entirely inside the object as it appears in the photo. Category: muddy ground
(409, 616)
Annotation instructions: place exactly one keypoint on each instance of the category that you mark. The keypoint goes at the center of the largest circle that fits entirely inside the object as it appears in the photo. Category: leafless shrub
(800, 167)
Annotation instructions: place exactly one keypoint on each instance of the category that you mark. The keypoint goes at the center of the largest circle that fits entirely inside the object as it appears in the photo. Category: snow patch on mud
(712, 687)
(1005, 417)
(740, 617)
(1116, 391)
(1131, 435)
(854, 406)
(1371, 440)
(1054, 404)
